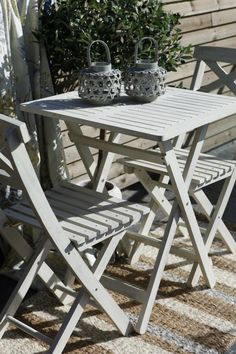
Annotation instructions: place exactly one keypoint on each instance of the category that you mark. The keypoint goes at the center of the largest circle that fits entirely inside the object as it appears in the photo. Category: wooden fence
(204, 22)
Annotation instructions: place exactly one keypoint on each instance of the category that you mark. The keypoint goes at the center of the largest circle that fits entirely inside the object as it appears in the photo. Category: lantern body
(145, 85)
(145, 81)
(99, 87)
(99, 84)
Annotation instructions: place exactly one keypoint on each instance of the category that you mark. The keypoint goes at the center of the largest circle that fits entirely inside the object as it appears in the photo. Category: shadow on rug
(198, 320)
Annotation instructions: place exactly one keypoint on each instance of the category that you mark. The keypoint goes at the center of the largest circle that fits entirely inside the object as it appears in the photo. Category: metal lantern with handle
(145, 81)
(99, 83)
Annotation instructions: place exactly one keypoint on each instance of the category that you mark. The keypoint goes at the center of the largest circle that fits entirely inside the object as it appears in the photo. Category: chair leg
(207, 208)
(213, 224)
(158, 195)
(83, 297)
(24, 284)
(158, 201)
(144, 229)
(49, 278)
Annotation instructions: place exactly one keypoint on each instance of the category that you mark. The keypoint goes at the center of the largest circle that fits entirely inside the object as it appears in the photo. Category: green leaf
(70, 26)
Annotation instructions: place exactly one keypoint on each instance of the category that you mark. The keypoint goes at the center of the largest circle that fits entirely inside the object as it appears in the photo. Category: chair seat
(209, 169)
(85, 215)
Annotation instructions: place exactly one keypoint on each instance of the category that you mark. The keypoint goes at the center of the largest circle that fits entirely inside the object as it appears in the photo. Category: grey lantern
(99, 84)
(145, 81)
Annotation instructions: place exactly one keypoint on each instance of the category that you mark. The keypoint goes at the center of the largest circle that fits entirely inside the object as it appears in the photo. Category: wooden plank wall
(204, 22)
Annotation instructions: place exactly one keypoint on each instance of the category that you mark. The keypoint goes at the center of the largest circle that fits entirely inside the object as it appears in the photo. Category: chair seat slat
(78, 215)
(66, 224)
(209, 168)
(81, 224)
(91, 199)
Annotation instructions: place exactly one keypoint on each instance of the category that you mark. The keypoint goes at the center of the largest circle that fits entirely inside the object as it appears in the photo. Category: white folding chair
(209, 169)
(71, 219)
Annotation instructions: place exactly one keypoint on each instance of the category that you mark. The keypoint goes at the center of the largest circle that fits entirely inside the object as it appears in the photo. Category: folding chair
(70, 218)
(208, 170)
(211, 171)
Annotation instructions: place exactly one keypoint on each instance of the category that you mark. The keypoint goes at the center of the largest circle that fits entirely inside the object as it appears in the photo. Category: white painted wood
(14, 238)
(23, 285)
(78, 212)
(75, 133)
(121, 149)
(181, 182)
(22, 130)
(155, 242)
(157, 195)
(182, 201)
(198, 75)
(124, 288)
(215, 58)
(82, 298)
(208, 170)
(216, 169)
(146, 224)
(175, 113)
(29, 330)
(225, 79)
(135, 249)
(207, 208)
(214, 53)
(105, 165)
(124, 118)
(214, 221)
(93, 216)
(155, 279)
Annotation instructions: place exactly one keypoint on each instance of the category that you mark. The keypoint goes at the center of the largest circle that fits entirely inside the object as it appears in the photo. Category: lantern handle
(108, 55)
(138, 45)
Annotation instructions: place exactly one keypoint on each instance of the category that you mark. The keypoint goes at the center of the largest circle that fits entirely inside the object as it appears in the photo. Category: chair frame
(17, 170)
(214, 58)
(157, 189)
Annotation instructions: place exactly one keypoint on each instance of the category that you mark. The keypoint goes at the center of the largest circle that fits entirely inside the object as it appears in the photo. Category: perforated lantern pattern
(145, 85)
(101, 87)
(99, 84)
(145, 81)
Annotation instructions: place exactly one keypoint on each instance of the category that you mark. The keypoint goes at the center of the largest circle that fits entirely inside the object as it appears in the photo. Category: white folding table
(175, 113)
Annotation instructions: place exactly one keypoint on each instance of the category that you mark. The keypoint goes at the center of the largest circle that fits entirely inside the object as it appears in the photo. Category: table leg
(75, 132)
(97, 173)
(104, 167)
(182, 204)
(154, 282)
(181, 185)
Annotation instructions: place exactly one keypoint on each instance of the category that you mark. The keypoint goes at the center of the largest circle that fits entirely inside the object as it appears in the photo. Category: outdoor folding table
(177, 112)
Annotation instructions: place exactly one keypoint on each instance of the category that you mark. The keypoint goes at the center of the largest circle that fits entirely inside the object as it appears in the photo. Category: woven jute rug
(198, 320)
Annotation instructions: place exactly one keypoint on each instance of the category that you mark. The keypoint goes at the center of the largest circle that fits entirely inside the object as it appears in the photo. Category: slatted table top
(176, 112)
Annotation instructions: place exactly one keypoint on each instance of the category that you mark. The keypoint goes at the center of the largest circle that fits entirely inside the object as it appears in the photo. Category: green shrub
(68, 27)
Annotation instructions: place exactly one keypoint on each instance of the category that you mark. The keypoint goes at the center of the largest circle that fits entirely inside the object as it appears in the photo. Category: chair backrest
(215, 58)
(8, 126)
(17, 170)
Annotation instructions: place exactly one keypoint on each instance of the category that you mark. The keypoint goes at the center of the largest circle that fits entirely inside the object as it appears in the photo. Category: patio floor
(183, 321)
